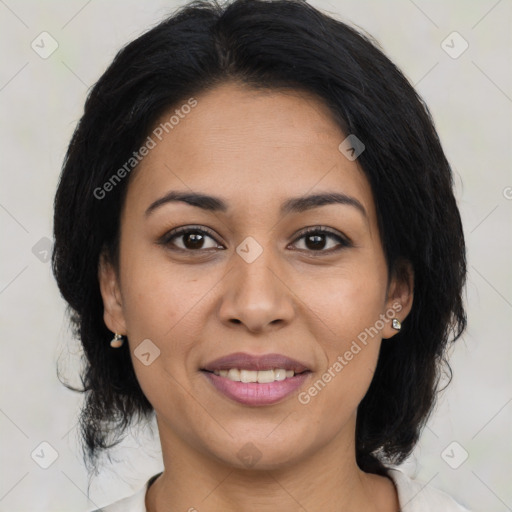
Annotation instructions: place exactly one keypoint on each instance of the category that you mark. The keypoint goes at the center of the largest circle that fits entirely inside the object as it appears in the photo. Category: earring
(117, 341)
(396, 324)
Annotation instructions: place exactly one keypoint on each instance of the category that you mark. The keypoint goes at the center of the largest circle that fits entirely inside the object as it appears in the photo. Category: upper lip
(244, 361)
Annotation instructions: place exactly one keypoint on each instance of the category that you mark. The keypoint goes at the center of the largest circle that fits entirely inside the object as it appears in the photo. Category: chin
(259, 454)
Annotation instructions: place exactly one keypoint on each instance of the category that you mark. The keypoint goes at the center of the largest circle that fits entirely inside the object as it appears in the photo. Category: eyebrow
(293, 205)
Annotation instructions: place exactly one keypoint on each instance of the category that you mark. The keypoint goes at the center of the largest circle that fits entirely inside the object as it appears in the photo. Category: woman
(256, 233)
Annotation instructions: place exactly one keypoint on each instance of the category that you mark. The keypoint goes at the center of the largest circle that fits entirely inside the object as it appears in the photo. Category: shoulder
(415, 496)
(134, 503)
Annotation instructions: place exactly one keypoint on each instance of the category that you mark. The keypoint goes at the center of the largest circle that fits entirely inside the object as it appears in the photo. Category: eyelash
(175, 233)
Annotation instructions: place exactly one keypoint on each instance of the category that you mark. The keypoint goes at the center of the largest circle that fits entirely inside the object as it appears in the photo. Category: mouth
(256, 380)
(256, 387)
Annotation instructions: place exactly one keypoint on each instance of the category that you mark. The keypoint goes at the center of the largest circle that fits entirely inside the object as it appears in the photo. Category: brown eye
(189, 239)
(316, 240)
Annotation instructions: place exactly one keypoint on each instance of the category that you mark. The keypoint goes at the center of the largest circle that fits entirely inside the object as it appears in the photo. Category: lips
(244, 361)
(254, 394)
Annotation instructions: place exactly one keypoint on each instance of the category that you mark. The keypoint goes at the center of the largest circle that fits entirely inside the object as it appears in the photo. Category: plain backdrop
(465, 448)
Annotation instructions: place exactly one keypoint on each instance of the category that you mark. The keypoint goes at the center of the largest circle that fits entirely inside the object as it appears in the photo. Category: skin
(254, 149)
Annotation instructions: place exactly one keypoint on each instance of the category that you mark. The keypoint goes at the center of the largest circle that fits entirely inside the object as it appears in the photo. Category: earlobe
(113, 315)
(400, 299)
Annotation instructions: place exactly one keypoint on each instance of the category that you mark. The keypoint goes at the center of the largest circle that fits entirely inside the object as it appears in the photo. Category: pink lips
(244, 361)
(254, 393)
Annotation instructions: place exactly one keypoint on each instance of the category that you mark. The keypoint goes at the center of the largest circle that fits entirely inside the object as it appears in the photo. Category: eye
(315, 239)
(192, 239)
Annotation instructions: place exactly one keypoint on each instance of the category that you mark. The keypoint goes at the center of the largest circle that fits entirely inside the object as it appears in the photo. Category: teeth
(261, 376)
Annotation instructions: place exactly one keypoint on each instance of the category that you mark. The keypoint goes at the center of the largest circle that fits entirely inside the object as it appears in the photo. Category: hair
(276, 45)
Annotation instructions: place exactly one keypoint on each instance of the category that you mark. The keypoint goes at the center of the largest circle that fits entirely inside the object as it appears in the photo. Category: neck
(328, 480)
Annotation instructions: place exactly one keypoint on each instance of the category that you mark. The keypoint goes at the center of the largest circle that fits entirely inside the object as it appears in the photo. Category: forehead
(251, 146)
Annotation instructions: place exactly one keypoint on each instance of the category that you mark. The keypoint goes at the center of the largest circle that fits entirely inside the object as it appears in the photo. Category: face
(260, 270)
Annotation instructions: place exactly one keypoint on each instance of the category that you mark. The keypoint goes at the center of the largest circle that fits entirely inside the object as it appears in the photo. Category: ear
(400, 297)
(113, 315)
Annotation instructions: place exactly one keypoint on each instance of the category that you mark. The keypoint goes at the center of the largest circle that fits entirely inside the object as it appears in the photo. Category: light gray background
(41, 100)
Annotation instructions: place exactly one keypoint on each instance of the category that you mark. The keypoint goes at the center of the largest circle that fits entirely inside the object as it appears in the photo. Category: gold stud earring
(117, 341)
(396, 324)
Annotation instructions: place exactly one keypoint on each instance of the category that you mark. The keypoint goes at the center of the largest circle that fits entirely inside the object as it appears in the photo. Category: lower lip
(253, 393)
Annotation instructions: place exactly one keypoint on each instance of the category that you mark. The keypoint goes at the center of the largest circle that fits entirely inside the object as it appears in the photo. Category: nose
(256, 294)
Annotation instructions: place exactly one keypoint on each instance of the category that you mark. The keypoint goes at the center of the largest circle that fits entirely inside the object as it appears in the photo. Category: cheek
(169, 309)
(157, 298)
(347, 301)
(348, 307)
(165, 310)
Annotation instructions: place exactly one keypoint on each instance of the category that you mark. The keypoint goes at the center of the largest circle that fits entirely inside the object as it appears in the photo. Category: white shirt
(412, 496)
